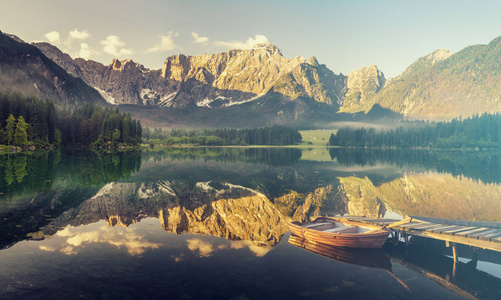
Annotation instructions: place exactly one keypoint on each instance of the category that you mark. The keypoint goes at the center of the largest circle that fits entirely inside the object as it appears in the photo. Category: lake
(211, 223)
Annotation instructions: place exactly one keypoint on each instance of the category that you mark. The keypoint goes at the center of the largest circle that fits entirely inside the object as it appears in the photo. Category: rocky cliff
(441, 85)
(427, 194)
(362, 85)
(121, 82)
(218, 209)
(25, 68)
(210, 80)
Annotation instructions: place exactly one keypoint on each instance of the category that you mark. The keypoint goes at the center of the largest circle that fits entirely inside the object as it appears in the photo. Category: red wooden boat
(372, 258)
(341, 233)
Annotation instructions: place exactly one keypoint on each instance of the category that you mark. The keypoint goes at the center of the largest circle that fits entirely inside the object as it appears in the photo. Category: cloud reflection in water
(205, 249)
(79, 237)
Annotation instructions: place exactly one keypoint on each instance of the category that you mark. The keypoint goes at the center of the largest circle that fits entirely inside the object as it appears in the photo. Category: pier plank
(488, 237)
(430, 227)
(412, 224)
(484, 233)
(423, 225)
(466, 233)
(493, 235)
(442, 228)
(453, 232)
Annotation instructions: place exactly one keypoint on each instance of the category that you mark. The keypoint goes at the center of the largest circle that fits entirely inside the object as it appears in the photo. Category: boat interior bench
(320, 226)
(342, 229)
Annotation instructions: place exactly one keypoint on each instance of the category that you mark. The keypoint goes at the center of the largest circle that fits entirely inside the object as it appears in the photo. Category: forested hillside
(27, 121)
(478, 131)
(445, 85)
(30, 122)
(274, 135)
(93, 125)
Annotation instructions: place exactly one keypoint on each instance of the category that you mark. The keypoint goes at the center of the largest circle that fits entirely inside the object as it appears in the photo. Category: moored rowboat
(372, 258)
(341, 233)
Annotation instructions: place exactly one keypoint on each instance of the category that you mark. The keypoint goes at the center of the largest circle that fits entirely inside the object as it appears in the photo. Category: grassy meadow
(314, 144)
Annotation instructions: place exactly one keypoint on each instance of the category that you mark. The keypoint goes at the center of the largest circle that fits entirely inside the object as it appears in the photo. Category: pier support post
(474, 258)
(406, 239)
(455, 257)
(455, 252)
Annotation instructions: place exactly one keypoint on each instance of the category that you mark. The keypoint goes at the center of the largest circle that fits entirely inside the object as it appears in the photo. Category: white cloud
(85, 51)
(114, 46)
(126, 238)
(204, 249)
(79, 35)
(47, 248)
(53, 37)
(252, 41)
(200, 39)
(259, 251)
(166, 43)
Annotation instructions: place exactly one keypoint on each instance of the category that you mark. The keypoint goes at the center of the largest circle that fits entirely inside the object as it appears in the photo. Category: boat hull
(372, 239)
(373, 258)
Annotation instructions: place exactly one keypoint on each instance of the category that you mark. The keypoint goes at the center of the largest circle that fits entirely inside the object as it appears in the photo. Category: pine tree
(10, 129)
(21, 134)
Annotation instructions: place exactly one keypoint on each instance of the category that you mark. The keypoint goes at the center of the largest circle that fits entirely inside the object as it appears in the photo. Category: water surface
(212, 223)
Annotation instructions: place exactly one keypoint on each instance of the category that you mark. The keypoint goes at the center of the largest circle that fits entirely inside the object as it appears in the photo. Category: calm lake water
(211, 223)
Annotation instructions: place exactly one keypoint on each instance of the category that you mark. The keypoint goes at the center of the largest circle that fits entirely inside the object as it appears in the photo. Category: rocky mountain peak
(313, 61)
(370, 78)
(422, 63)
(209, 80)
(362, 85)
(439, 55)
(176, 67)
(269, 47)
(120, 65)
(14, 37)
(26, 68)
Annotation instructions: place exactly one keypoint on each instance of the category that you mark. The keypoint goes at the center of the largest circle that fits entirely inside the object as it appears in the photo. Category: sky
(343, 35)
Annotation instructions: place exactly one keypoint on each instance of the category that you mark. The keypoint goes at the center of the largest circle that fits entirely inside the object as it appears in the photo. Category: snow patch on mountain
(108, 97)
(165, 101)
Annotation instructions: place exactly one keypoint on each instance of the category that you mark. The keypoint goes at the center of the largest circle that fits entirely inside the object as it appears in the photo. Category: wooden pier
(481, 235)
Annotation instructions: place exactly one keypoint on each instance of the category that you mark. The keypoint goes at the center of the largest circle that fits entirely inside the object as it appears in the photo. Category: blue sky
(344, 35)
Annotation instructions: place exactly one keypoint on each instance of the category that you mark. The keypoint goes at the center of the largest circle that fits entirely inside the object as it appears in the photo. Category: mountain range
(25, 68)
(258, 86)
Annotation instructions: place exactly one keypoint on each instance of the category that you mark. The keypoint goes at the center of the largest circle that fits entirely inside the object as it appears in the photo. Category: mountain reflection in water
(209, 208)
(111, 224)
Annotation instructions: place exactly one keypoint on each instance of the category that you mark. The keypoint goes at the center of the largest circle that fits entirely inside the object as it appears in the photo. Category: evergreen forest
(30, 122)
(478, 131)
(277, 135)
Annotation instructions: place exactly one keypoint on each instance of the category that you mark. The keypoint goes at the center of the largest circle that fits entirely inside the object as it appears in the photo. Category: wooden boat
(372, 258)
(341, 233)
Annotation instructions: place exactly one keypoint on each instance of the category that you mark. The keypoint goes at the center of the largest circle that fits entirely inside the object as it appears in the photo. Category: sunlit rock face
(361, 86)
(120, 82)
(218, 209)
(210, 80)
(306, 207)
(427, 194)
(361, 199)
(120, 204)
(229, 211)
(239, 76)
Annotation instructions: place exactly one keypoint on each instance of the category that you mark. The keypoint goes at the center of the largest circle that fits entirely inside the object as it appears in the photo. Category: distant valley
(258, 86)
